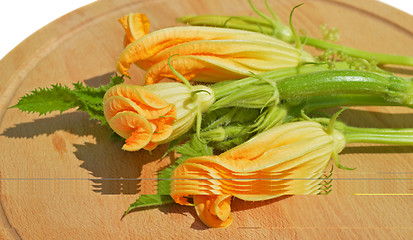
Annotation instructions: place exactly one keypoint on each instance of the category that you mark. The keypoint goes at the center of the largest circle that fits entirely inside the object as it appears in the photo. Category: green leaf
(61, 98)
(192, 148)
(46, 100)
(149, 201)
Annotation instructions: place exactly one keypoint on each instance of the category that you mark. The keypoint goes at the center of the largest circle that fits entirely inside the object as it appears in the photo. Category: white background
(20, 18)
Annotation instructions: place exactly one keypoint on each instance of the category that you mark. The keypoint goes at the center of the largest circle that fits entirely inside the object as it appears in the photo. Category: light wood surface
(59, 174)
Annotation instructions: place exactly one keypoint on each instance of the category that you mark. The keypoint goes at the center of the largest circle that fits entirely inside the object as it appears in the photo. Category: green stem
(297, 39)
(393, 136)
(270, 21)
(379, 58)
(247, 23)
(402, 136)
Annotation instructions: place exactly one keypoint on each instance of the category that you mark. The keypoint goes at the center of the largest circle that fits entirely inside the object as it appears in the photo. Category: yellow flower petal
(134, 128)
(199, 68)
(214, 211)
(136, 25)
(198, 41)
(137, 94)
(141, 117)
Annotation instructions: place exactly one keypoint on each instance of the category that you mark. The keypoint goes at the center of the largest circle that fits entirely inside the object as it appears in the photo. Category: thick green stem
(317, 90)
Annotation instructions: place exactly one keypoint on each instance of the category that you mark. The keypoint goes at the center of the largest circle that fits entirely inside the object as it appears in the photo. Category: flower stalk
(390, 136)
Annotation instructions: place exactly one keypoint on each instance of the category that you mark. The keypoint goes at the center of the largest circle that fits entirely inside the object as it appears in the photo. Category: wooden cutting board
(61, 177)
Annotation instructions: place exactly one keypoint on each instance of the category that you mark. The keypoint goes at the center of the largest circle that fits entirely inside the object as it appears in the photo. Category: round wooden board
(61, 177)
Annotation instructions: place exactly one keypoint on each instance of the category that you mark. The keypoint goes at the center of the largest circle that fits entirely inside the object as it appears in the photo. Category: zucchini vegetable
(343, 86)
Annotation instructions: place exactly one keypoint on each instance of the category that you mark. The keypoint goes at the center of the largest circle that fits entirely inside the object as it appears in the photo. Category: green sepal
(338, 164)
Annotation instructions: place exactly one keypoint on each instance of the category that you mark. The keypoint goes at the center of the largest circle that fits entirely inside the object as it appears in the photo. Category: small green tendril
(198, 112)
(330, 129)
(182, 78)
(198, 126)
(332, 34)
(260, 27)
(331, 56)
(330, 126)
(360, 64)
(305, 116)
(199, 91)
(304, 33)
(226, 21)
(272, 22)
(295, 34)
(273, 14)
(337, 162)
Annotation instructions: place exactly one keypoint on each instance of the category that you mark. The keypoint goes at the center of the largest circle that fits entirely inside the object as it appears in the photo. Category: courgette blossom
(147, 116)
(288, 159)
(206, 54)
(271, 25)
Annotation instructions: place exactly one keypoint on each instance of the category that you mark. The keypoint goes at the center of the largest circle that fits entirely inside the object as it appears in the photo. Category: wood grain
(57, 171)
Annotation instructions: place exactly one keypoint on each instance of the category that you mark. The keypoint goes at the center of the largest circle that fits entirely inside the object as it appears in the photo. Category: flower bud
(147, 116)
(189, 101)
